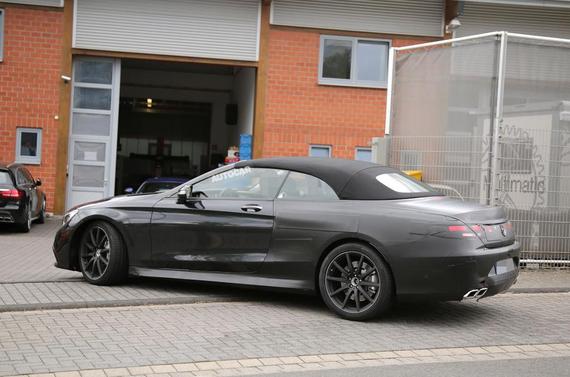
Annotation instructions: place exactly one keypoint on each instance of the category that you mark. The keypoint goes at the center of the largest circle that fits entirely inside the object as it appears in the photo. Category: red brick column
(29, 84)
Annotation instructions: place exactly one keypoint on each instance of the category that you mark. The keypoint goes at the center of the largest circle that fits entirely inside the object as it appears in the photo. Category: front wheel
(102, 255)
(355, 282)
(42, 216)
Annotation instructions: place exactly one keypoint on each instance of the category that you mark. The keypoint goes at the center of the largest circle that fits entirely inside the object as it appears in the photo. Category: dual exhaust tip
(475, 294)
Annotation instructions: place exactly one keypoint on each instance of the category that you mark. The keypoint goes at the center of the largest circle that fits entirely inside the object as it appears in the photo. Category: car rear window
(5, 178)
(403, 184)
(383, 183)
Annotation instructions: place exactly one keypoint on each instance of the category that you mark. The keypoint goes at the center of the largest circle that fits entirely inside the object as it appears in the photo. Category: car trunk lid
(490, 224)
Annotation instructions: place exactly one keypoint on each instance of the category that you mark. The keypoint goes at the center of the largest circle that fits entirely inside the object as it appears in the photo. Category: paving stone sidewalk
(78, 339)
(80, 294)
(321, 363)
(26, 257)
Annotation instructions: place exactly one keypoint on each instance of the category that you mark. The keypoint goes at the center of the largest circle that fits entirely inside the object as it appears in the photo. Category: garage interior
(179, 119)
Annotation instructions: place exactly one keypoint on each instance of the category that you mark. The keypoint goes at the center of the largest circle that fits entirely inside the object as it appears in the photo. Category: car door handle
(251, 208)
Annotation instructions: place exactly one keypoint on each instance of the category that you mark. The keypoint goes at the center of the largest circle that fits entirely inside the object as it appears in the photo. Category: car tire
(42, 216)
(355, 282)
(102, 255)
(26, 225)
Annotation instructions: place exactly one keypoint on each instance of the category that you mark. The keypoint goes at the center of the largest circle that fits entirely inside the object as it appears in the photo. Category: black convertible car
(358, 233)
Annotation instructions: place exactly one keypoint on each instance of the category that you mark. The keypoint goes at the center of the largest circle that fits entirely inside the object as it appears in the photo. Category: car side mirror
(129, 190)
(38, 182)
(184, 193)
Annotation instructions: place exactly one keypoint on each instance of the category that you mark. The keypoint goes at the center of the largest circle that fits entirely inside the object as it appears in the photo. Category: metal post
(391, 64)
(498, 120)
(381, 150)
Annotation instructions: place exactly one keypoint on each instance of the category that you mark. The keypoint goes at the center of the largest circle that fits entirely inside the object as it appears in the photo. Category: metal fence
(532, 181)
(487, 118)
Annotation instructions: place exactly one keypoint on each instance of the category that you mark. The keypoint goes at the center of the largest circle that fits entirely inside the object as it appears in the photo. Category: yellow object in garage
(417, 174)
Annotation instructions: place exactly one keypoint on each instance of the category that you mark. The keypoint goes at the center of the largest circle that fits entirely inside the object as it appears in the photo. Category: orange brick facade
(30, 85)
(297, 112)
(300, 112)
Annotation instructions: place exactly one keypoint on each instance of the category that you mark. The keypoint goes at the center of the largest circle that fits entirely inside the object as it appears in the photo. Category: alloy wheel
(352, 282)
(95, 253)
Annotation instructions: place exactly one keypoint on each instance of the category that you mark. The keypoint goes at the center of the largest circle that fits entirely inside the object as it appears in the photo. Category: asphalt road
(551, 367)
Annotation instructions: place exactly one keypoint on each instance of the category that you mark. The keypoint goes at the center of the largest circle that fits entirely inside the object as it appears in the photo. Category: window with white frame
(29, 145)
(320, 151)
(1, 35)
(363, 154)
(353, 61)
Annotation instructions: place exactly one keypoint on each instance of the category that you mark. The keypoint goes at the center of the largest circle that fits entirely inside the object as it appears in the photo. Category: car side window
(28, 176)
(299, 186)
(241, 183)
(21, 177)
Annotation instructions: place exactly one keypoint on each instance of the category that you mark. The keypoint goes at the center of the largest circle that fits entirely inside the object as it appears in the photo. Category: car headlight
(69, 215)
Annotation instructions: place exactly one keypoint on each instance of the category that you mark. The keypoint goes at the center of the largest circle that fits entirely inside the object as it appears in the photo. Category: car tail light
(11, 194)
(461, 230)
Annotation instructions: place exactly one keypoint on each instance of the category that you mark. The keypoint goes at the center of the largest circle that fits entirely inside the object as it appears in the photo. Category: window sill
(28, 162)
(354, 84)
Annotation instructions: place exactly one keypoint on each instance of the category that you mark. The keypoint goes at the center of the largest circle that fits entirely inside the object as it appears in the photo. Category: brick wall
(29, 84)
(300, 112)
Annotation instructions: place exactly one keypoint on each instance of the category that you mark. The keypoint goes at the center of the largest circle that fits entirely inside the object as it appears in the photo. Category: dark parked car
(21, 200)
(357, 233)
(157, 184)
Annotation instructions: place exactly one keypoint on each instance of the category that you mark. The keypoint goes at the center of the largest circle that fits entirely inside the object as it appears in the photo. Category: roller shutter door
(481, 18)
(217, 29)
(410, 17)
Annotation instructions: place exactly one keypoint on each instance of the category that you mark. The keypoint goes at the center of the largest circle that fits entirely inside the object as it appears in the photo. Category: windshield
(157, 187)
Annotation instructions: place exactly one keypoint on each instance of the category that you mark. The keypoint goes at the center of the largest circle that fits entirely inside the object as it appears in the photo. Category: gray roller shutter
(410, 17)
(45, 3)
(481, 18)
(218, 29)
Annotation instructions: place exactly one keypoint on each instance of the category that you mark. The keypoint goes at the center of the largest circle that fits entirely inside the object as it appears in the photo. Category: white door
(93, 130)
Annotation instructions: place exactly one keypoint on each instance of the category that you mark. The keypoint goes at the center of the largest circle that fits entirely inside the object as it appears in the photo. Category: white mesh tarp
(448, 120)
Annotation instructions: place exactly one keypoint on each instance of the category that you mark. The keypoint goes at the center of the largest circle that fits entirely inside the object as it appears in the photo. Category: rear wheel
(102, 255)
(355, 282)
(26, 224)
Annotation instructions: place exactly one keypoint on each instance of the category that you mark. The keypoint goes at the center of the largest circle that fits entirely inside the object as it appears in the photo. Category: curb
(539, 290)
(188, 300)
(116, 303)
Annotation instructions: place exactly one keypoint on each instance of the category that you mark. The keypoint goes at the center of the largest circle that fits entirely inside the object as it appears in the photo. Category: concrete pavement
(28, 257)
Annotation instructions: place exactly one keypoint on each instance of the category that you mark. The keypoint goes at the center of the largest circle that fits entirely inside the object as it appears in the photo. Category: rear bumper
(12, 213)
(7, 217)
(450, 278)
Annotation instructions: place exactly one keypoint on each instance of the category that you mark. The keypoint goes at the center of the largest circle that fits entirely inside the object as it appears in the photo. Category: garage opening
(179, 120)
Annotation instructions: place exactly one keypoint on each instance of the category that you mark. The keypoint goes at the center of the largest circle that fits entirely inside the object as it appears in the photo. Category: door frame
(110, 141)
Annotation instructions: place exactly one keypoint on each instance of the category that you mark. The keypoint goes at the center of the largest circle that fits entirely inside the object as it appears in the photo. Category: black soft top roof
(350, 179)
